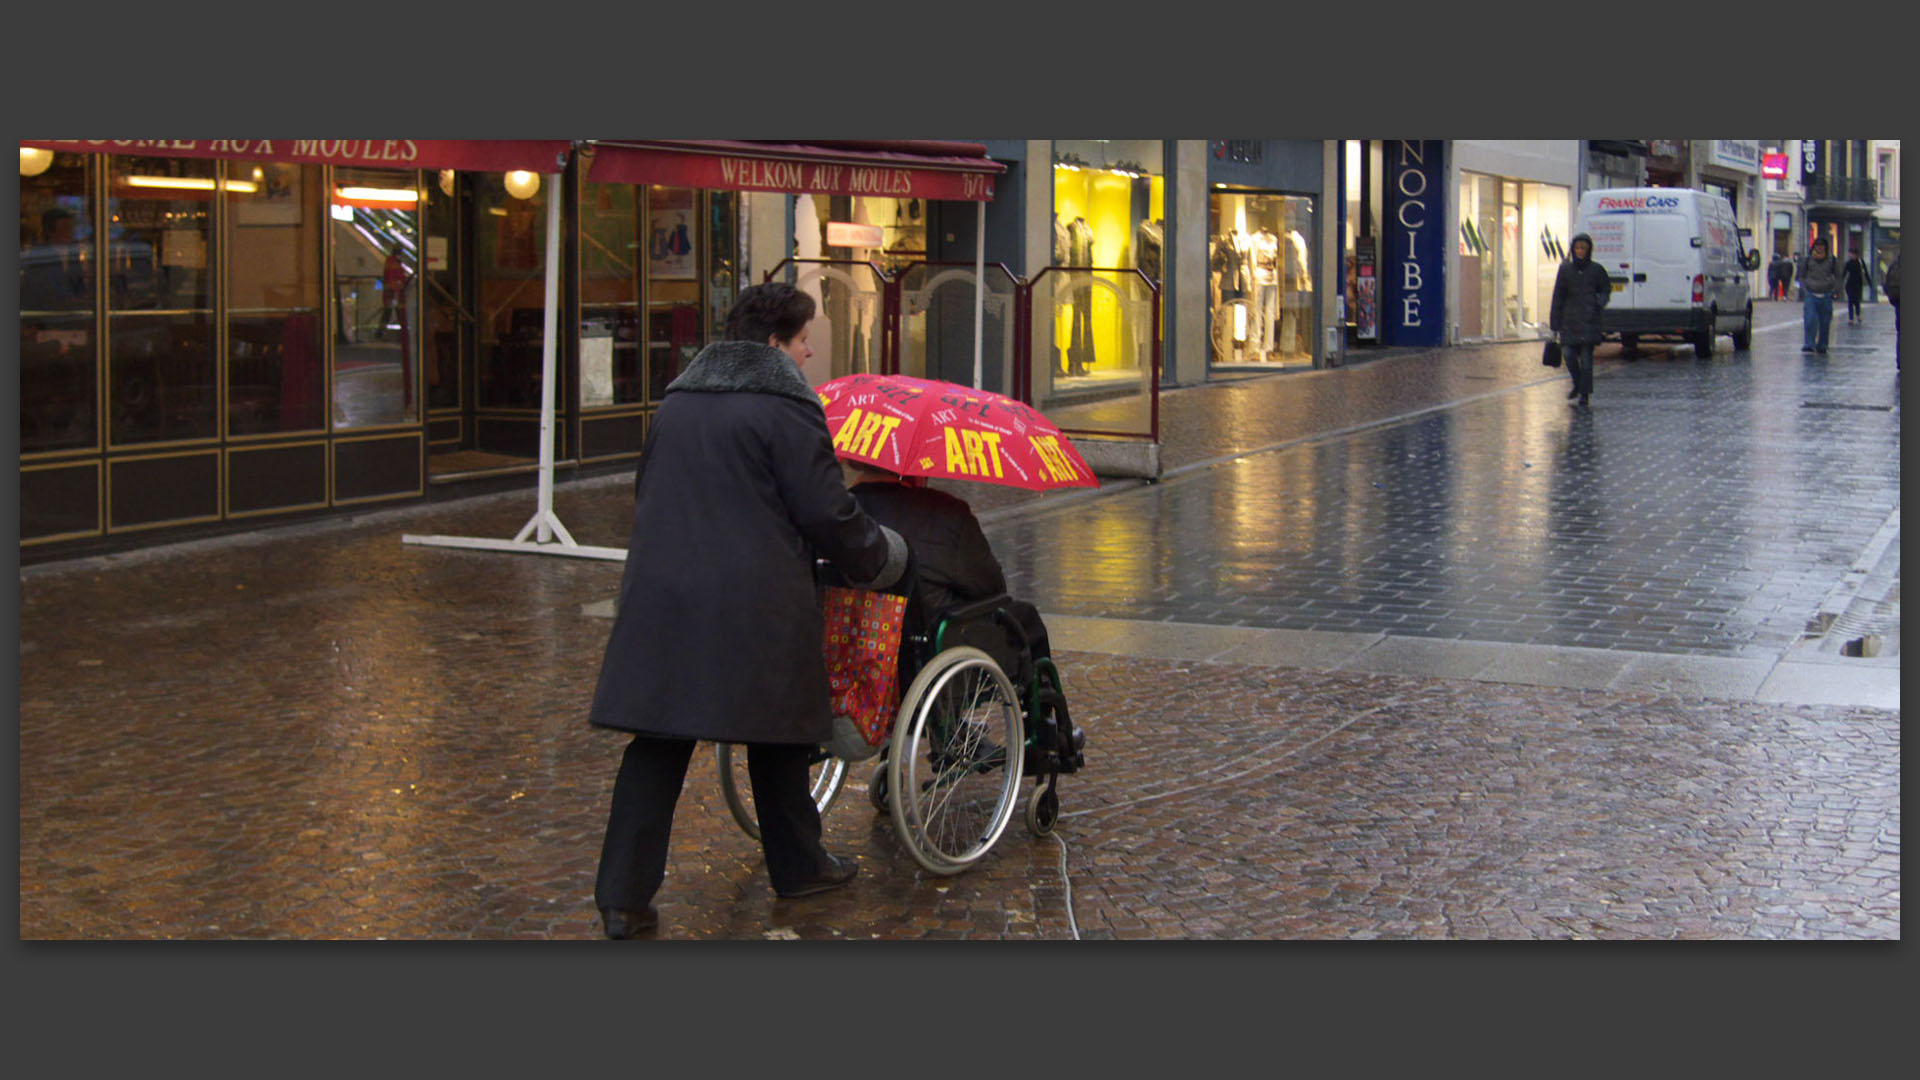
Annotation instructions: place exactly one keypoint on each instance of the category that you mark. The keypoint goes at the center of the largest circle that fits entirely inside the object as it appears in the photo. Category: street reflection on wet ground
(1695, 507)
(317, 731)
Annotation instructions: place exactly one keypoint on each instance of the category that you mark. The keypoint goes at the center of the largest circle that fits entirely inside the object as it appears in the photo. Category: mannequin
(1225, 266)
(1266, 291)
(1080, 340)
(1061, 246)
(1151, 241)
(1299, 286)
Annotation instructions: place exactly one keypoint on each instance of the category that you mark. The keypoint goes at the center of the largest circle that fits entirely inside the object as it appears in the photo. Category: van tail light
(1699, 288)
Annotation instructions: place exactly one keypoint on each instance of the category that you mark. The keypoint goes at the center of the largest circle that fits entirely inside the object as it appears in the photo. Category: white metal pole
(549, 358)
(979, 287)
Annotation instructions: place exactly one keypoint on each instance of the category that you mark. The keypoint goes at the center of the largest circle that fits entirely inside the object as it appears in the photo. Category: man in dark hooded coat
(1579, 292)
(718, 628)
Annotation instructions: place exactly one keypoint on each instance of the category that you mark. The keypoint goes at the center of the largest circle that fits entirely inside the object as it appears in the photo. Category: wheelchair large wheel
(953, 769)
(828, 773)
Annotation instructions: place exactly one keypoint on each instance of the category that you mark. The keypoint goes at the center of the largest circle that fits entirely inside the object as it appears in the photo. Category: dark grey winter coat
(1579, 292)
(718, 630)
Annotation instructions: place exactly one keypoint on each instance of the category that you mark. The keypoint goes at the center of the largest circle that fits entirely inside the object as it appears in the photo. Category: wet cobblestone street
(320, 732)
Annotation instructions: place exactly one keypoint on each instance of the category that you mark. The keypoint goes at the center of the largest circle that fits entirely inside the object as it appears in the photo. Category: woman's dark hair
(774, 310)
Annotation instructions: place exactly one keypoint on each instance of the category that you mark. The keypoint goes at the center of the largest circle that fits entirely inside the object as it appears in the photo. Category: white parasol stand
(543, 534)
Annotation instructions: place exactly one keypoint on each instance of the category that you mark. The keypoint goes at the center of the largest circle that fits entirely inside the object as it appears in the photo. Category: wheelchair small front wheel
(827, 774)
(1043, 809)
(954, 766)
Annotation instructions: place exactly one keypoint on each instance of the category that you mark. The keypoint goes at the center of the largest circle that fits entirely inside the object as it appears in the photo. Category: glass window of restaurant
(375, 217)
(59, 353)
(161, 376)
(659, 270)
(275, 381)
(1109, 215)
(1260, 278)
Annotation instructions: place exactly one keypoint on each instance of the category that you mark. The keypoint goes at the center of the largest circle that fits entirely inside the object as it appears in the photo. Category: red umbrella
(921, 427)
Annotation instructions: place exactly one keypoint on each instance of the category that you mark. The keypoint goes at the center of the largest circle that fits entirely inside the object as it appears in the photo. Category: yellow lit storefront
(1109, 218)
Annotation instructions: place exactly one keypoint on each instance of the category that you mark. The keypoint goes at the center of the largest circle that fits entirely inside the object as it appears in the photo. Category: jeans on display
(1080, 337)
(1816, 320)
(1579, 360)
(1266, 310)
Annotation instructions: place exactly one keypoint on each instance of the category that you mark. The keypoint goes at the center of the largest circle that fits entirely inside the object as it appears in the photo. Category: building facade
(218, 335)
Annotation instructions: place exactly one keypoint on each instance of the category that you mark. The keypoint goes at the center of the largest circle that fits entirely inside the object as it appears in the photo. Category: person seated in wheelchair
(956, 565)
(956, 568)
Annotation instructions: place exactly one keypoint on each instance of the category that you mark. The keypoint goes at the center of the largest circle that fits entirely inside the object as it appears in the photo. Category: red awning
(903, 170)
(478, 155)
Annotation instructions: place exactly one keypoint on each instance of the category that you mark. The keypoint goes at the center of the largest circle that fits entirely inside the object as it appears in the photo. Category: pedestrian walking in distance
(1778, 271)
(1579, 292)
(718, 628)
(1819, 279)
(1856, 282)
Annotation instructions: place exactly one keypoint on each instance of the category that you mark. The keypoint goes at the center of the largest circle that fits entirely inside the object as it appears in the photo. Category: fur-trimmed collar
(744, 367)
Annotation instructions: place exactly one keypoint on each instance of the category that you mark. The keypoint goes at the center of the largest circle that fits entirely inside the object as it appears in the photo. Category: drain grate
(1845, 405)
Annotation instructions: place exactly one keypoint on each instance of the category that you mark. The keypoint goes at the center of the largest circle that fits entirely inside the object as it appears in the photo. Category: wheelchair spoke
(958, 781)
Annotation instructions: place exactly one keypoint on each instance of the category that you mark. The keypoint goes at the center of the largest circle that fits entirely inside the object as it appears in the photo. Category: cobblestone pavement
(320, 732)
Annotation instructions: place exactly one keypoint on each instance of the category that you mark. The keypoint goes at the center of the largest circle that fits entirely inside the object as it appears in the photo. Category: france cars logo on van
(1611, 205)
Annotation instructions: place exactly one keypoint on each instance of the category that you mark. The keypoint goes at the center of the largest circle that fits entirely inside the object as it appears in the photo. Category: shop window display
(59, 356)
(161, 372)
(1109, 215)
(846, 336)
(1513, 236)
(375, 218)
(1260, 278)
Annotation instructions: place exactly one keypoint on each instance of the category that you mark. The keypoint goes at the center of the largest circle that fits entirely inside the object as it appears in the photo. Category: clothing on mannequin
(1148, 246)
(1061, 248)
(1080, 336)
(1265, 254)
(1226, 271)
(1299, 286)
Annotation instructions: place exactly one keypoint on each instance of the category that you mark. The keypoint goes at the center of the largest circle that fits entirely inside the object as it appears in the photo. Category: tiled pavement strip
(316, 732)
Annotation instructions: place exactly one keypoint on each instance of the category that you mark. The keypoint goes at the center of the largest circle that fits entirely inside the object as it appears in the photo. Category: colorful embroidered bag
(863, 632)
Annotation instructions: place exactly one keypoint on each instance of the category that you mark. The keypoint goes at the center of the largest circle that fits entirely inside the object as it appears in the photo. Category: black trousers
(1579, 361)
(1853, 303)
(633, 858)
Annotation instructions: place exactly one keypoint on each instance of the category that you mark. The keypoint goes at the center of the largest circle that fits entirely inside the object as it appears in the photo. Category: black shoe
(621, 924)
(1583, 401)
(1822, 352)
(839, 871)
(1806, 348)
(1574, 393)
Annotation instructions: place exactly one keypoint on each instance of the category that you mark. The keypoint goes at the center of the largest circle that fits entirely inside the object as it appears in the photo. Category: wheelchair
(980, 713)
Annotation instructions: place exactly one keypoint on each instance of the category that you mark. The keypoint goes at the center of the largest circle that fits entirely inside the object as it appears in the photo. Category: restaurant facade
(223, 334)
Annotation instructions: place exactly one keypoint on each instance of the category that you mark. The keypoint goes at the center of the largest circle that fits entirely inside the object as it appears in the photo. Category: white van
(1678, 264)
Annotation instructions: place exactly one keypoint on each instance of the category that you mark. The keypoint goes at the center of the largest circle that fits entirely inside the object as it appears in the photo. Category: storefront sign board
(1414, 298)
(1773, 166)
(847, 234)
(478, 155)
(800, 172)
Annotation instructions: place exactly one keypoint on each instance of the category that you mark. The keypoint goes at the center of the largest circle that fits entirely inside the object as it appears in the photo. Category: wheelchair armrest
(993, 608)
